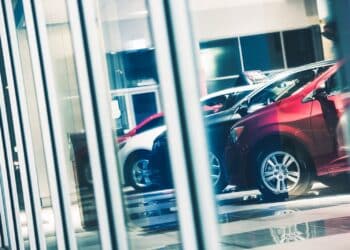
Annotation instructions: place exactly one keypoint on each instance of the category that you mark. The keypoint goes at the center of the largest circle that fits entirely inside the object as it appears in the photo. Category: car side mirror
(320, 93)
(243, 109)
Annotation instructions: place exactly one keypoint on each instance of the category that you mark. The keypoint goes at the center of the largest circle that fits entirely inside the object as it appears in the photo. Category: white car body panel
(142, 141)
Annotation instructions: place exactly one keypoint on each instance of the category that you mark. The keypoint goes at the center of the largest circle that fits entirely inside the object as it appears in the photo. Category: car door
(331, 95)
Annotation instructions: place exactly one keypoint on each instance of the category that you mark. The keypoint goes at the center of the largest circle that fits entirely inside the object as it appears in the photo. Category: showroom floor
(319, 220)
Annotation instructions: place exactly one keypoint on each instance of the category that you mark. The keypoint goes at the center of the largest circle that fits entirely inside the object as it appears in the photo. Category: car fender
(284, 131)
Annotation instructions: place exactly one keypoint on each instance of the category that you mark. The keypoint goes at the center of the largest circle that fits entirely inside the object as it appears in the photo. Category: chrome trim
(284, 56)
(240, 53)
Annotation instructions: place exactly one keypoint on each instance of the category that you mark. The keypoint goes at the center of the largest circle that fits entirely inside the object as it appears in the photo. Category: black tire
(282, 168)
(339, 183)
(218, 172)
(146, 181)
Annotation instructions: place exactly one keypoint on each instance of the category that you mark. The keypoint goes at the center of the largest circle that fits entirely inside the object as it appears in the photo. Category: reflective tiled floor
(319, 220)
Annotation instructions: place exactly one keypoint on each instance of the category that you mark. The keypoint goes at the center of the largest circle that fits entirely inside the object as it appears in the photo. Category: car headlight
(235, 133)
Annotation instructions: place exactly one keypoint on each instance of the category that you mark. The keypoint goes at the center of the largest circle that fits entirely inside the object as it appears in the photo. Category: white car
(134, 155)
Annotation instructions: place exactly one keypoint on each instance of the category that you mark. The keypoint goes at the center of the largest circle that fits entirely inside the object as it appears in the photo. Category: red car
(292, 140)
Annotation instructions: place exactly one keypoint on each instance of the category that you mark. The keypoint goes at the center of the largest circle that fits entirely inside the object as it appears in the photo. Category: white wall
(212, 19)
(246, 17)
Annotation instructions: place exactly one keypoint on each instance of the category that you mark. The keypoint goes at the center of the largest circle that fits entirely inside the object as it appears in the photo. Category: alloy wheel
(142, 173)
(215, 167)
(280, 172)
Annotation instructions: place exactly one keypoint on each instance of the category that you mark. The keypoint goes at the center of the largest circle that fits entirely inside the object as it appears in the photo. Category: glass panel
(133, 79)
(132, 68)
(287, 140)
(144, 106)
(81, 191)
(276, 118)
(45, 195)
(220, 57)
(303, 46)
(262, 52)
(76, 153)
(12, 152)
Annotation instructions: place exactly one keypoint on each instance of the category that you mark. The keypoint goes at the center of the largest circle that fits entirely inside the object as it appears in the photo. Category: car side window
(283, 88)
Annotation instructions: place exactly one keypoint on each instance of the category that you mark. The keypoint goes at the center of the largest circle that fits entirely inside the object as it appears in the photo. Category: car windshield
(281, 86)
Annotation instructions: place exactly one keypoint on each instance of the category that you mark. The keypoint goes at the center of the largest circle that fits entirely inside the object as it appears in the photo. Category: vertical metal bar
(50, 123)
(4, 240)
(171, 29)
(96, 106)
(8, 170)
(283, 51)
(240, 52)
(158, 103)
(86, 103)
(10, 221)
(8, 233)
(18, 92)
(27, 192)
(130, 110)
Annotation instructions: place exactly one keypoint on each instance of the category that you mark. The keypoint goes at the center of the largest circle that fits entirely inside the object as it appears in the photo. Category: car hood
(220, 117)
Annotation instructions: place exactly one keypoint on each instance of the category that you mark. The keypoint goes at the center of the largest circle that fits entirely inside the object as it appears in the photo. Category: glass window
(220, 57)
(133, 68)
(144, 106)
(263, 52)
(303, 46)
(274, 155)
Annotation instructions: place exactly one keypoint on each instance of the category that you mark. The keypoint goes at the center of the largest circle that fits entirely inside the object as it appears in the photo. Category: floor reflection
(246, 221)
(289, 233)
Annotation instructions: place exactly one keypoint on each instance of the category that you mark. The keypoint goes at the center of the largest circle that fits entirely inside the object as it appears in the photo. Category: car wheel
(139, 172)
(218, 175)
(282, 173)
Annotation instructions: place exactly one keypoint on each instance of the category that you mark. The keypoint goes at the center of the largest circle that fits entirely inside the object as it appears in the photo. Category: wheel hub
(280, 172)
(215, 166)
(142, 173)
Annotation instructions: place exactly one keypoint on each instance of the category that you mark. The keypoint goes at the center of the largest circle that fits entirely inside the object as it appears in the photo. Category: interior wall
(249, 17)
(240, 17)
